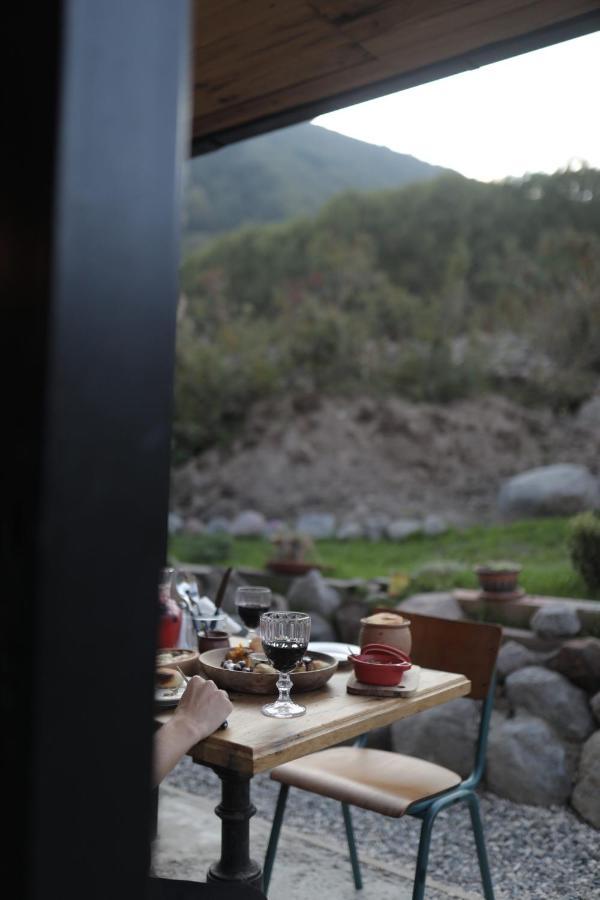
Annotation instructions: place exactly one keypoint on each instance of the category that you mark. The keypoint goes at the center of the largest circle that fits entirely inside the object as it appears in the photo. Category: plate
(259, 683)
(167, 697)
(338, 651)
(186, 660)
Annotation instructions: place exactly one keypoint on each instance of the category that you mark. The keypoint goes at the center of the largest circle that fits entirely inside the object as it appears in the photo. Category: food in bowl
(245, 659)
(168, 679)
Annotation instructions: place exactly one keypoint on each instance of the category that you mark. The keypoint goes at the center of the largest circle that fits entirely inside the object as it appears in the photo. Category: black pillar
(95, 123)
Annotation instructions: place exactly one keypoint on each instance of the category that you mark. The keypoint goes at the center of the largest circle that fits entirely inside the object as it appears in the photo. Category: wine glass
(251, 602)
(285, 639)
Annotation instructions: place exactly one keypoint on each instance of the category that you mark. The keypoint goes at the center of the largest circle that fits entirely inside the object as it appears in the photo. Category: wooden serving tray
(408, 687)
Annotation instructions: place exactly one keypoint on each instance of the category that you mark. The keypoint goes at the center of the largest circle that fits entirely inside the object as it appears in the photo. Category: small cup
(213, 640)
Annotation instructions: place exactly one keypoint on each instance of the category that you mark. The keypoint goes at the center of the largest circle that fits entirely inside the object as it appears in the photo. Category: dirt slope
(363, 457)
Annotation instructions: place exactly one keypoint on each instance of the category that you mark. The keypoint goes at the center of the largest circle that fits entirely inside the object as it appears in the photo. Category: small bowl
(212, 640)
(377, 668)
(171, 657)
(393, 653)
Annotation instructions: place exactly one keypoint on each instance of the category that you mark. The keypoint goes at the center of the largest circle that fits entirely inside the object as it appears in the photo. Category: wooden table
(254, 743)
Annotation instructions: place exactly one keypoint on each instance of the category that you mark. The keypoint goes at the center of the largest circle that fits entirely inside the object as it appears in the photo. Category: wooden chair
(394, 784)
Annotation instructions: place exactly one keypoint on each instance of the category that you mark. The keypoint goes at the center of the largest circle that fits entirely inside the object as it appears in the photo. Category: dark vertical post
(95, 124)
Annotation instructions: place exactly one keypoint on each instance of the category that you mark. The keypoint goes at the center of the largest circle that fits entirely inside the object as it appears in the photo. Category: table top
(255, 743)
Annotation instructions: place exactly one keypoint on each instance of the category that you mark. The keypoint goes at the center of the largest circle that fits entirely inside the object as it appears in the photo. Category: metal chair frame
(426, 810)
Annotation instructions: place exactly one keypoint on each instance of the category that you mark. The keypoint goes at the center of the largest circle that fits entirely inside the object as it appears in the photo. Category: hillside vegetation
(285, 174)
(437, 291)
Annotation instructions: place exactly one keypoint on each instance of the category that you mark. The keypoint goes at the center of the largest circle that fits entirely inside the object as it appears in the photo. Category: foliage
(204, 549)
(584, 544)
(539, 545)
(409, 291)
(284, 174)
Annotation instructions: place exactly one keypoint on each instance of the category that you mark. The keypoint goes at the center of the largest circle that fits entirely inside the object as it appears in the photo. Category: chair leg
(274, 836)
(352, 847)
(486, 878)
(423, 855)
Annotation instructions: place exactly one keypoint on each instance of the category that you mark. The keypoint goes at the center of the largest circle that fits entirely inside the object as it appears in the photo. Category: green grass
(539, 545)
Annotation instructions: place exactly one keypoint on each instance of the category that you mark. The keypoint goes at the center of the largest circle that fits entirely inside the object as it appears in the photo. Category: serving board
(408, 687)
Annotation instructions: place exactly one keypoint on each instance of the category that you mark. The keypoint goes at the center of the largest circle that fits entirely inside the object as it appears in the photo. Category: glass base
(285, 709)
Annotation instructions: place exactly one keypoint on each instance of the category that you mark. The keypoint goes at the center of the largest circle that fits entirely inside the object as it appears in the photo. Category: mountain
(288, 173)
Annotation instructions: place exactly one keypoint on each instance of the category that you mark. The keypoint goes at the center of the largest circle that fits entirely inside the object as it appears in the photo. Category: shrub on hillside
(584, 545)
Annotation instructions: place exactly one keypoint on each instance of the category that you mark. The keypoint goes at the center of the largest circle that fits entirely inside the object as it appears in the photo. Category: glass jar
(169, 613)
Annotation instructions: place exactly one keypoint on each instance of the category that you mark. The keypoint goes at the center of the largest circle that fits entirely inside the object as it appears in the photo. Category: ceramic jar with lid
(386, 628)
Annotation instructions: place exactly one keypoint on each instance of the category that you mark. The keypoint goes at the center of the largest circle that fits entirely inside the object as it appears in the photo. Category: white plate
(166, 697)
(338, 651)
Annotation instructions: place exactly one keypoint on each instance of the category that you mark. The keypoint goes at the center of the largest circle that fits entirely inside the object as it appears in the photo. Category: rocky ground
(366, 457)
(535, 853)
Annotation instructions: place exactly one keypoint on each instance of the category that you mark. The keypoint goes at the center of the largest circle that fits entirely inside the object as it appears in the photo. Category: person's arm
(201, 710)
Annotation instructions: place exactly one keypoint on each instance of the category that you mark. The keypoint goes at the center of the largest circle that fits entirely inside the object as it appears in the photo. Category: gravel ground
(535, 853)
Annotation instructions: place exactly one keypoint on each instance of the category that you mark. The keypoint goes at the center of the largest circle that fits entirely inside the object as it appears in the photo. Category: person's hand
(202, 708)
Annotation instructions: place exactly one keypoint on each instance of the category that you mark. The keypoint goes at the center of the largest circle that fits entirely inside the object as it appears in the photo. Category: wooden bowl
(187, 660)
(257, 683)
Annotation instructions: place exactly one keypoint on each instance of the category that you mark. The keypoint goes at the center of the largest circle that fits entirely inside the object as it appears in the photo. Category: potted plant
(498, 577)
(292, 553)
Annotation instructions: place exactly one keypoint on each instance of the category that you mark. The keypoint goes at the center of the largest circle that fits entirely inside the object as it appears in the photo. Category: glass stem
(284, 686)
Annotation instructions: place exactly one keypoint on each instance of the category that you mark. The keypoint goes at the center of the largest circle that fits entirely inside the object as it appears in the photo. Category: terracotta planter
(498, 581)
(291, 567)
(386, 628)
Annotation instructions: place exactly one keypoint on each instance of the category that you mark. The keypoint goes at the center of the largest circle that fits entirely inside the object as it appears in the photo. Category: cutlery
(221, 591)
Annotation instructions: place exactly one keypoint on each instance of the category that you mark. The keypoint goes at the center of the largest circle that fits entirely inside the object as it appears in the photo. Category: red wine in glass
(284, 655)
(250, 615)
(251, 602)
(284, 637)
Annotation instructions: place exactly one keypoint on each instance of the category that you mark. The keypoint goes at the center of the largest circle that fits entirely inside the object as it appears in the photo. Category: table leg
(235, 811)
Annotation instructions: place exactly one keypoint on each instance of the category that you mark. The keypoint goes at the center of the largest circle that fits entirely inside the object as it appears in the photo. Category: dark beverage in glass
(250, 615)
(251, 601)
(284, 637)
(284, 655)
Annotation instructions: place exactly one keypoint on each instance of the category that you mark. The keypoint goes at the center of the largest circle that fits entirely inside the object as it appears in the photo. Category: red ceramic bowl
(393, 654)
(377, 668)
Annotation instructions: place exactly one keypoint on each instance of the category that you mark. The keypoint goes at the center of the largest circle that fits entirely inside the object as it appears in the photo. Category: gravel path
(535, 853)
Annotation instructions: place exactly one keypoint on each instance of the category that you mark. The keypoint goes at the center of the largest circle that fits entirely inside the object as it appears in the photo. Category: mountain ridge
(285, 174)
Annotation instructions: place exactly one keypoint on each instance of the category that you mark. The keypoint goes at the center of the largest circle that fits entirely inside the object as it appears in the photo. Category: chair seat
(384, 782)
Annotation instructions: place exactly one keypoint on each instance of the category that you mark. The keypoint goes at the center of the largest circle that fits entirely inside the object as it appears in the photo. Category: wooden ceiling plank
(414, 56)
(242, 19)
(257, 43)
(298, 47)
(321, 59)
(478, 25)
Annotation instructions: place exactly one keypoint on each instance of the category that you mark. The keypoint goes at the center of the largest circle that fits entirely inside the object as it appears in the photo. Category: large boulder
(316, 525)
(434, 603)
(249, 524)
(400, 529)
(434, 525)
(528, 763)
(586, 796)
(595, 706)
(514, 656)
(321, 629)
(347, 620)
(579, 661)
(445, 735)
(312, 594)
(552, 697)
(555, 620)
(349, 531)
(558, 490)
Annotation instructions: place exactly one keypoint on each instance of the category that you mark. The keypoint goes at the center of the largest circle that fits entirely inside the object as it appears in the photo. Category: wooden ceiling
(261, 64)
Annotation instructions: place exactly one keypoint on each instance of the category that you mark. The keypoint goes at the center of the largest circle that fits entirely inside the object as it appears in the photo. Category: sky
(533, 113)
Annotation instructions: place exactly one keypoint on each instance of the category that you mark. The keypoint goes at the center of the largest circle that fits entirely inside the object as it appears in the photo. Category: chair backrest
(470, 648)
